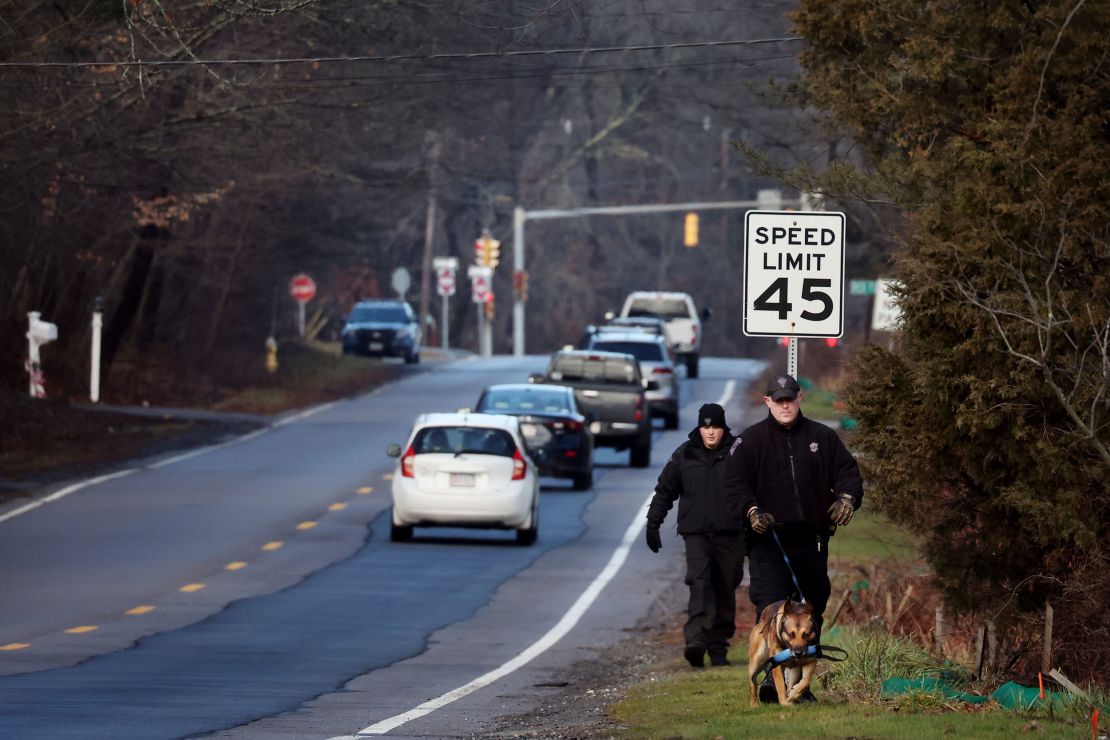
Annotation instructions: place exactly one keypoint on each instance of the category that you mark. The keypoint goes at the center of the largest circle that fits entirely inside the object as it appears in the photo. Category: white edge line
(556, 633)
(209, 448)
(304, 414)
(63, 492)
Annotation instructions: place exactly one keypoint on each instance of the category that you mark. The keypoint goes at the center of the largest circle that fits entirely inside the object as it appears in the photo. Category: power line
(397, 57)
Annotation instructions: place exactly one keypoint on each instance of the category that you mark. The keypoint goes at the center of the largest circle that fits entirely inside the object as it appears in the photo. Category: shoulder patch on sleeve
(735, 444)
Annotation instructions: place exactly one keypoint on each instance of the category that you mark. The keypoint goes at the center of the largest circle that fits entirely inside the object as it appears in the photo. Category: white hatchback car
(465, 470)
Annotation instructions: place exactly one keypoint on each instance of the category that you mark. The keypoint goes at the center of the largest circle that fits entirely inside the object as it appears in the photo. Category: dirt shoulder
(588, 688)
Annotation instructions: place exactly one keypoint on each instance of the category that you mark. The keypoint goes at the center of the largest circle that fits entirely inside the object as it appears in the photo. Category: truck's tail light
(407, 461)
(519, 466)
(662, 371)
(639, 415)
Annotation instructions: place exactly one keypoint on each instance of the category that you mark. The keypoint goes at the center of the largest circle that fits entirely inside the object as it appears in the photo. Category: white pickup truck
(681, 317)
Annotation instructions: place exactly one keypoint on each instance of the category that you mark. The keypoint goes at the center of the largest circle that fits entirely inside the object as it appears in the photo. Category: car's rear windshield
(595, 370)
(664, 308)
(460, 440)
(518, 401)
(384, 314)
(643, 351)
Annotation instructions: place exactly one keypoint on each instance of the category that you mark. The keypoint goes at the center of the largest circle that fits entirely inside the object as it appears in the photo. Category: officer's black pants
(714, 568)
(770, 578)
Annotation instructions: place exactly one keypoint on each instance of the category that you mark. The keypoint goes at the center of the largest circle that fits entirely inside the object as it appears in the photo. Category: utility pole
(429, 227)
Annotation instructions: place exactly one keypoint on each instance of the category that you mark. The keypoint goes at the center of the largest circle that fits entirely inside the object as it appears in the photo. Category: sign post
(445, 285)
(303, 289)
(481, 292)
(794, 276)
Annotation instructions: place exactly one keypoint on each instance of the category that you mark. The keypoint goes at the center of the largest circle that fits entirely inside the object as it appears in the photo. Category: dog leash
(786, 559)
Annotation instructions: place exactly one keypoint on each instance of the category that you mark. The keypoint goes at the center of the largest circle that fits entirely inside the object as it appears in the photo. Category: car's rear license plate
(462, 480)
(376, 345)
(528, 430)
(595, 427)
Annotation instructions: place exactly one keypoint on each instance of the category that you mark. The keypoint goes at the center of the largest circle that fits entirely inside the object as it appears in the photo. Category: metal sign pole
(444, 327)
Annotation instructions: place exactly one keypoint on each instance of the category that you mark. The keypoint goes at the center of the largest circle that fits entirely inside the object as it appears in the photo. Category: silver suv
(656, 363)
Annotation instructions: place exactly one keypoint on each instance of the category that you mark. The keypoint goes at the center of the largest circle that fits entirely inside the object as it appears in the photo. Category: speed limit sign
(794, 273)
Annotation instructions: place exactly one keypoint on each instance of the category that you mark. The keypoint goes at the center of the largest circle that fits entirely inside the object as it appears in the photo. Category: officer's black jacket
(795, 474)
(695, 476)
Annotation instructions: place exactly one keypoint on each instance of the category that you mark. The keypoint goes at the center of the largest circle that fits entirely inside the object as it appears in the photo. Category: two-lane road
(252, 588)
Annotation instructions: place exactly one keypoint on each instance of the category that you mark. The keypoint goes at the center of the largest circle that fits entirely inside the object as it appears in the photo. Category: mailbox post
(38, 333)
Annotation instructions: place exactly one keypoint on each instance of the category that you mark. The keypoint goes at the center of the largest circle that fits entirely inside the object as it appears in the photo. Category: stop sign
(302, 288)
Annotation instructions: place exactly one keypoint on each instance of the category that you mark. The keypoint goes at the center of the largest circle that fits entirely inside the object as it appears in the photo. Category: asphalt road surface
(250, 590)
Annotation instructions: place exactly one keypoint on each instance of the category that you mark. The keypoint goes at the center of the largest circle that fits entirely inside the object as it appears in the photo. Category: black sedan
(556, 434)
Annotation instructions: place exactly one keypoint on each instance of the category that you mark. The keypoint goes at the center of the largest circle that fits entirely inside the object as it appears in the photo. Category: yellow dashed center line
(269, 546)
(366, 489)
(141, 610)
(306, 525)
(337, 507)
(387, 476)
(236, 565)
(82, 629)
(190, 587)
(15, 646)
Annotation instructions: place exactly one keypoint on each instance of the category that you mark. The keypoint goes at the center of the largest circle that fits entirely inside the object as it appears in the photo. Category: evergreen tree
(987, 427)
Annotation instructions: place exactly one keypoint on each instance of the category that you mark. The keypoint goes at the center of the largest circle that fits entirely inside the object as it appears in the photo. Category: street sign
(885, 314)
(400, 281)
(794, 273)
(445, 263)
(861, 287)
(445, 282)
(302, 288)
(481, 283)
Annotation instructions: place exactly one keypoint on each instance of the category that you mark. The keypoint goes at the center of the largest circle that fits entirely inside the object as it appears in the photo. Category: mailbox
(40, 332)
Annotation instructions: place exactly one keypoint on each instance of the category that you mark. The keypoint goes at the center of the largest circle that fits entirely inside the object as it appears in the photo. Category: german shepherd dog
(782, 625)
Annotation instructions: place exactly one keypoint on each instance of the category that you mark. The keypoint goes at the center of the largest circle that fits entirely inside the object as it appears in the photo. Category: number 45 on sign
(793, 273)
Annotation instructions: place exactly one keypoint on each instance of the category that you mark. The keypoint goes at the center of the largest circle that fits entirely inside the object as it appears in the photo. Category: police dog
(782, 625)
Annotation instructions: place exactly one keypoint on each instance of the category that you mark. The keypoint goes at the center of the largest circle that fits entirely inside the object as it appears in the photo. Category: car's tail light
(407, 461)
(662, 371)
(571, 453)
(639, 409)
(519, 466)
(571, 426)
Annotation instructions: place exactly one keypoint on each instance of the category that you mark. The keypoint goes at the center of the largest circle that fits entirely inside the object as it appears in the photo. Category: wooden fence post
(940, 631)
(1046, 652)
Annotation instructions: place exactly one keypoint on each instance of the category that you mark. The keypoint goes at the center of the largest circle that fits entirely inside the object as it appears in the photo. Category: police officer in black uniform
(796, 475)
(715, 543)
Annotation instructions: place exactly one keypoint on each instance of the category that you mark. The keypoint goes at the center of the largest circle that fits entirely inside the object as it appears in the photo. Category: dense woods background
(187, 194)
(968, 140)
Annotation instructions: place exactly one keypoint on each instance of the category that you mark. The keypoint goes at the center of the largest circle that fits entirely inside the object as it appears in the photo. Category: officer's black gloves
(841, 510)
(761, 520)
(654, 542)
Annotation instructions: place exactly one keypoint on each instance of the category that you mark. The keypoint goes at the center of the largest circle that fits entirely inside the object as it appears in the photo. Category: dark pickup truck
(609, 392)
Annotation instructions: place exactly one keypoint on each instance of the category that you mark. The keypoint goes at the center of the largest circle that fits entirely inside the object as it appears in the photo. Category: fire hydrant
(271, 355)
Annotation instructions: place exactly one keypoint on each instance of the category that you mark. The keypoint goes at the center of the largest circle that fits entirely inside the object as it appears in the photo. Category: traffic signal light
(690, 237)
(487, 250)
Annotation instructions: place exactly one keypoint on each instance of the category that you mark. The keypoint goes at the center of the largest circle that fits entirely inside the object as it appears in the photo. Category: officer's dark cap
(783, 386)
